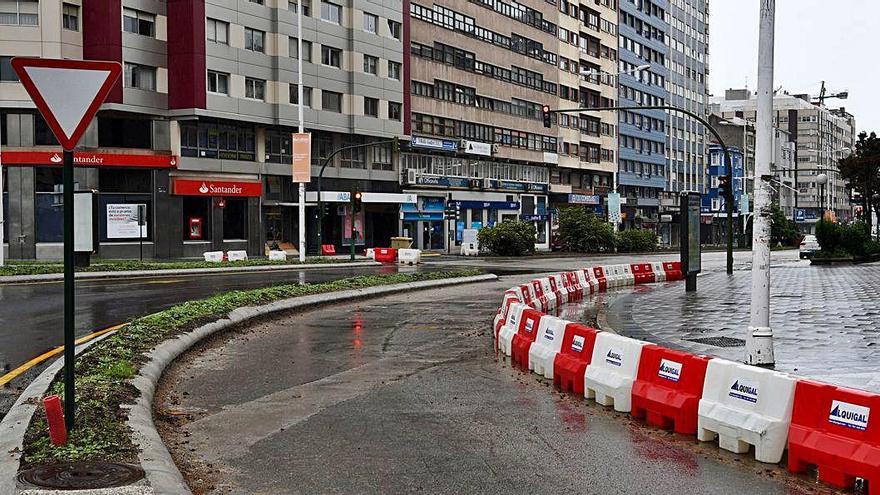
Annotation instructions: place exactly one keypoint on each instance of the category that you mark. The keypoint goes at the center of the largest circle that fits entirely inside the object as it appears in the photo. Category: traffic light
(356, 198)
(547, 114)
(396, 144)
(724, 188)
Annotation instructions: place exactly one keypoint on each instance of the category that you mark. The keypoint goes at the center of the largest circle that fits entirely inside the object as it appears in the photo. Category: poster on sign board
(122, 221)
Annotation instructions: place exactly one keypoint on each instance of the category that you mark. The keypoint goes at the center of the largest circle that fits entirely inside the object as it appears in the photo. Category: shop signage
(423, 215)
(487, 205)
(368, 197)
(436, 180)
(437, 144)
(207, 187)
(800, 215)
(477, 148)
(302, 157)
(534, 218)
(87, 159)
(122, 221)
(584, 199)
(328, 196)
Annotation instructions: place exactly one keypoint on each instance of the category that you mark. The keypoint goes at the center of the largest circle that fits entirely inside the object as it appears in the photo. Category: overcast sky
(815, 40)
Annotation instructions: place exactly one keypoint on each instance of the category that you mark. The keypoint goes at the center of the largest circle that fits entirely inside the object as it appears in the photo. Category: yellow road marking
(8, 377)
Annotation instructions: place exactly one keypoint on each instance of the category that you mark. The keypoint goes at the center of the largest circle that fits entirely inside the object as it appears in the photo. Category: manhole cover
(81, 475)
(720, 341)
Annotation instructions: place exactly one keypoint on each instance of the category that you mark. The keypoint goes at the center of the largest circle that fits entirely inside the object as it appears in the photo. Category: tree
(782, 230)
(508, 238)
(861, 170)
(581, 231)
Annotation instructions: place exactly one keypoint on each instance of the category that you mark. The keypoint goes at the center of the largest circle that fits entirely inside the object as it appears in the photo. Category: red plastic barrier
(328, 250)
(386, 255)
(575, 292)
(526, 294)
(525, 335)
(668, 388)
(539, 289)
(574, 356)
(643, 273)
(831, 429)
(673, 270)
(599, 275)
(55, 418)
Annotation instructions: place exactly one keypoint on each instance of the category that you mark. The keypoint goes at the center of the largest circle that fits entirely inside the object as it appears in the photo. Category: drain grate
(82, 475)
(720, 341)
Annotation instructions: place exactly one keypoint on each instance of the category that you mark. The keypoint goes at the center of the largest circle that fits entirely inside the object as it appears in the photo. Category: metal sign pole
(69, 385)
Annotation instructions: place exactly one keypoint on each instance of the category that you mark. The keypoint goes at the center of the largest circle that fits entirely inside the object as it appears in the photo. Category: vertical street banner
(302, 157)
(614, 207)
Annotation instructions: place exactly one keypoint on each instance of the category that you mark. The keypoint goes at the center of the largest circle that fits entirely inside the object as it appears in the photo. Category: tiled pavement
(826, 320)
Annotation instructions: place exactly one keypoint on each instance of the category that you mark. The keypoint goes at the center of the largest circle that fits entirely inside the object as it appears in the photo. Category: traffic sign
(67, 93)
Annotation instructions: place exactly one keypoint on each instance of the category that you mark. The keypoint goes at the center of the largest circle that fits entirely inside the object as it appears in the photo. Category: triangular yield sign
(67, 93)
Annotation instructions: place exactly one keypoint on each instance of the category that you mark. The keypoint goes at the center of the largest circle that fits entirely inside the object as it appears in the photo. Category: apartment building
(822, 136)
(207, 103)
(480, 72)
(643, 31)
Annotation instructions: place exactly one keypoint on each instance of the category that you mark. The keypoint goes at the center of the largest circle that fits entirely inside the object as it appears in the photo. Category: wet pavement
(404, 394)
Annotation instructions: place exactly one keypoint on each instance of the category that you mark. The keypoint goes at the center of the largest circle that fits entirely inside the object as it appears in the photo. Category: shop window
(235, 219)
(196, 218)
(125, 181)
(278, 147)
(214, 140)
(125, 133)
(49, 215)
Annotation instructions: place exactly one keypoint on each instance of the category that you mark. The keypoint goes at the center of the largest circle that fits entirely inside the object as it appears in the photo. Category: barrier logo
(744, 390)
(577, 343)
(548, 334)
(669, 370)
(529, 324)
(614, 358)
(850, 415)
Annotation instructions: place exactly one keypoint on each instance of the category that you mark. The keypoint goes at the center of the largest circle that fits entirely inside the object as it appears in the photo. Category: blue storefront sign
(584, 199)
(800, 215)
(535, 218)
(435, 144)
(487, 205)
(423, 215)
(435, 180)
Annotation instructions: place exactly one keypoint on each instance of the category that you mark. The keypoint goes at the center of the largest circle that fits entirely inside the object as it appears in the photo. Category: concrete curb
(54, 277)
(161, 471)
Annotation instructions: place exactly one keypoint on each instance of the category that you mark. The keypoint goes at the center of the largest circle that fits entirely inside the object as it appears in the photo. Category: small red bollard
(55, 418)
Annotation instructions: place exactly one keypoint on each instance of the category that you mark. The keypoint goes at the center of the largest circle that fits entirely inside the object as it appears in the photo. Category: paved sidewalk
(825, 319)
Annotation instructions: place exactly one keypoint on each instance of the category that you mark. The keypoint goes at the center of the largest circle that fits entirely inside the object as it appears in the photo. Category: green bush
(828, 234)
(782, 230)
(508, 238)
(581, 231)
(636, 241)
(854, 238)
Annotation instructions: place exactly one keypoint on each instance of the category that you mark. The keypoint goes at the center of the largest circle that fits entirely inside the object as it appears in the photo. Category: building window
(218, 82)
(255, 88)
(371, 107)
(394, 111)
(7, 74)
(331, 56)
(394, 70)
(213, 140)
(20, 12)
(331, 101)
(356, 157)
(331, 12)
(382, 157)
(371, 64)
(371, 23)
(259, 2)
(140, 76)
(217, 31)
(394, 28)
(307, 49)
(294, 95)
(307, 6)
(138, 22)
(254, 40)
(70, 17)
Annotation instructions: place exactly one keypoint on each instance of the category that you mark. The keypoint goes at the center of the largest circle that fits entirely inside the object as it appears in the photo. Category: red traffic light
(357, 196)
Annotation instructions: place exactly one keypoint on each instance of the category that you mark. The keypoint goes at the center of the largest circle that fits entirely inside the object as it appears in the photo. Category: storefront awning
(211, 187)
(89, 159)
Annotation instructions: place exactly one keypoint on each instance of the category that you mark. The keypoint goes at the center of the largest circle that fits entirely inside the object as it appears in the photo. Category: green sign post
(690, 239)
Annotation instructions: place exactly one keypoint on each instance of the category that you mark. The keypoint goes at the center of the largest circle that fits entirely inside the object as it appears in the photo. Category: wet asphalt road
(403, 394)
(31, 315)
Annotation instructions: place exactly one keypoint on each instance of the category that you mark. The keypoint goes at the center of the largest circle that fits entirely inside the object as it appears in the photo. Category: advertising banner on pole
(302, 157)
(614, 207)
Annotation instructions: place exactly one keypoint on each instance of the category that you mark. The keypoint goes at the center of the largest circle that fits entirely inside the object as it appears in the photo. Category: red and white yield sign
(67, 93)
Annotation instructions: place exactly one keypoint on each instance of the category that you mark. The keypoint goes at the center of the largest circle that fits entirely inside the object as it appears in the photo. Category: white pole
(299, 89)
(2, 219)
(759, 340)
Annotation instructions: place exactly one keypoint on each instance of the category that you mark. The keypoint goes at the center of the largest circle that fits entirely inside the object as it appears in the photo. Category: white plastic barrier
(543, 351)
(613, 277)
(277, 256)
(659, 272)
(549, 300)
(409, 256)
(609, 377)
(236, 255)
(627, 275)
(470, 249)
(509, 329)
(371, 253)
(509, 299)
(213, 256)
(586, 283)
(746, 405)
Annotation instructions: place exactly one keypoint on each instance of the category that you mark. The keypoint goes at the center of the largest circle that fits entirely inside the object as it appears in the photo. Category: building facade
(207, 146)
(480, 73)
(714, 205)
(822, 136)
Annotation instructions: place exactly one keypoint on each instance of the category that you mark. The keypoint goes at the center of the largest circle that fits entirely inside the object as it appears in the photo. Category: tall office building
(199, 127)
(642, 177)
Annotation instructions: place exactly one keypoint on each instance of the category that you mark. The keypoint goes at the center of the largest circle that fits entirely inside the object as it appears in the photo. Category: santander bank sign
(199, 187)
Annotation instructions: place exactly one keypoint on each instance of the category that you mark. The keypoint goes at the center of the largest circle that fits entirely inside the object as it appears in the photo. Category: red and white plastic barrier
(668, 388)
(543, 352)
(609, 377)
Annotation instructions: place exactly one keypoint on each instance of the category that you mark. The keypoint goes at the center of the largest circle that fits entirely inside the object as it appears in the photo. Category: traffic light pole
(351, 205)
(547, 111)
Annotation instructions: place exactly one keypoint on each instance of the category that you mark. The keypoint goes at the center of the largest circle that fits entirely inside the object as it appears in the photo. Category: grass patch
(102, 372)
(42, 268)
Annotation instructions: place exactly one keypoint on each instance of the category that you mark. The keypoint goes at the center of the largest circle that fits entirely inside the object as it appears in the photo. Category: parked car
(809, 245)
